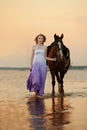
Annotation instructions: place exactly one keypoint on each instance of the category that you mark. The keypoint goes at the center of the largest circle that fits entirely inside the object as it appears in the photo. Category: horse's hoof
(61, 94)
(61, 91)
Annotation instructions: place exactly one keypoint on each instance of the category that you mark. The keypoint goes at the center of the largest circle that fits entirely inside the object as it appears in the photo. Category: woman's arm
(48, 58)
(32, 56)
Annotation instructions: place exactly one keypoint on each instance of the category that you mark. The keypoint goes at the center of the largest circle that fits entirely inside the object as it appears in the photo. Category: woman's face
(40, 39)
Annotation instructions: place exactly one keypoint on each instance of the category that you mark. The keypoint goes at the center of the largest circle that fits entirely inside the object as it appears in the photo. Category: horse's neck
(49, 48)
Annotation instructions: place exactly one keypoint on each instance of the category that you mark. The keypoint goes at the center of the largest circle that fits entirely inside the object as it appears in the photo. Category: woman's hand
(51, 59)
(30, 69)
(54, 59)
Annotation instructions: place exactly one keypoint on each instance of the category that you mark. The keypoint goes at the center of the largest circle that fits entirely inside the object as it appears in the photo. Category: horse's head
(58, 38)
(58, 41)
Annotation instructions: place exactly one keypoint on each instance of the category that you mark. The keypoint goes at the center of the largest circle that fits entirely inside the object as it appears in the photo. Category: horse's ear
(62, 36)
(55, 36)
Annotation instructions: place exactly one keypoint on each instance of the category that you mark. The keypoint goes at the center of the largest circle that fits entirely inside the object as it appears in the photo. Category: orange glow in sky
(22, 20)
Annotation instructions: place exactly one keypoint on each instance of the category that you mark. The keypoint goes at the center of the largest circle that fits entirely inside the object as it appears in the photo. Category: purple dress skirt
(37, 77)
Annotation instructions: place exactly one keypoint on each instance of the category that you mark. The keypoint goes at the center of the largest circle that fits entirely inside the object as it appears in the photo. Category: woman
(37, 77)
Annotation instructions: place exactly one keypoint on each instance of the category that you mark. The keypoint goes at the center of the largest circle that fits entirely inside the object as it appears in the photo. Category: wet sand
(20, 110)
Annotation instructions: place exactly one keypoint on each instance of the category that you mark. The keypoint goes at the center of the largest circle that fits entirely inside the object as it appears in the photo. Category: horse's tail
(68, 61)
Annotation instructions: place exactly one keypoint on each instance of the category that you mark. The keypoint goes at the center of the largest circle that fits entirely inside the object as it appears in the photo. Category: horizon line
(28, 68)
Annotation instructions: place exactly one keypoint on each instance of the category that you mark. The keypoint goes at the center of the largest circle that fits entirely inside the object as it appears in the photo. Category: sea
(21, 110)
(15, 77)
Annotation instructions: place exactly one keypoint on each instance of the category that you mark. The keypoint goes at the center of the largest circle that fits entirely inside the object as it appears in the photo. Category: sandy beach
(20, 110)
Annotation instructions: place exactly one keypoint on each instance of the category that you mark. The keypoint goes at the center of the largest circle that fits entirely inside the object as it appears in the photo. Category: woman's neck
(39, 44)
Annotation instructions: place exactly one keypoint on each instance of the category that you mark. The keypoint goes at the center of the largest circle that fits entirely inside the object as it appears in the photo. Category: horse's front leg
(59, 77)
(53, 82)
(61, 90)
(58, 80)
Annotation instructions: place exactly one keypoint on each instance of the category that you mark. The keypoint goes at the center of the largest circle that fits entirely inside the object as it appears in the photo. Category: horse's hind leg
(53, 81)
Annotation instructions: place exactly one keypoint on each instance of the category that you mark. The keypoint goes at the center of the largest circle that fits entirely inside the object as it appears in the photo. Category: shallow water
(20, 110)
(48, 113)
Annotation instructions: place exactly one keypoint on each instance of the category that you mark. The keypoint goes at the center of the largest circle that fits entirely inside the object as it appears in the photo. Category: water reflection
(36, 109)
(59, 104)
(48, 113)
(61, 114)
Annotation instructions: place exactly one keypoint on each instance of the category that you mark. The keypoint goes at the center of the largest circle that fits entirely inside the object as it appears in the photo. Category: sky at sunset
(22, 20)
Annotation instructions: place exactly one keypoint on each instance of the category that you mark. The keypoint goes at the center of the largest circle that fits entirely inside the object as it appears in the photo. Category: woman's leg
(43, 73)
(36, 77)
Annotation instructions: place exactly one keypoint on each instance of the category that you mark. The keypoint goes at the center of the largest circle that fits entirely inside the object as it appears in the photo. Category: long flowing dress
(37, 77)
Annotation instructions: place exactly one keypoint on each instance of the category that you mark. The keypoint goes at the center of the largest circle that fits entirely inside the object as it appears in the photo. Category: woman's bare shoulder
(33, 47)
(45, 47)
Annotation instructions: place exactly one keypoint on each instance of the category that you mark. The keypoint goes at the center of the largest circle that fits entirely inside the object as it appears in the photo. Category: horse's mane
(49, 48)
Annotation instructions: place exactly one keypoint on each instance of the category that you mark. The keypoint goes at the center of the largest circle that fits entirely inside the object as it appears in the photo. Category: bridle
(60, 50)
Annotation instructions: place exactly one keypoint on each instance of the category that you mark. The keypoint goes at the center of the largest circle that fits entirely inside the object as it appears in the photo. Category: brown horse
(59, 67)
